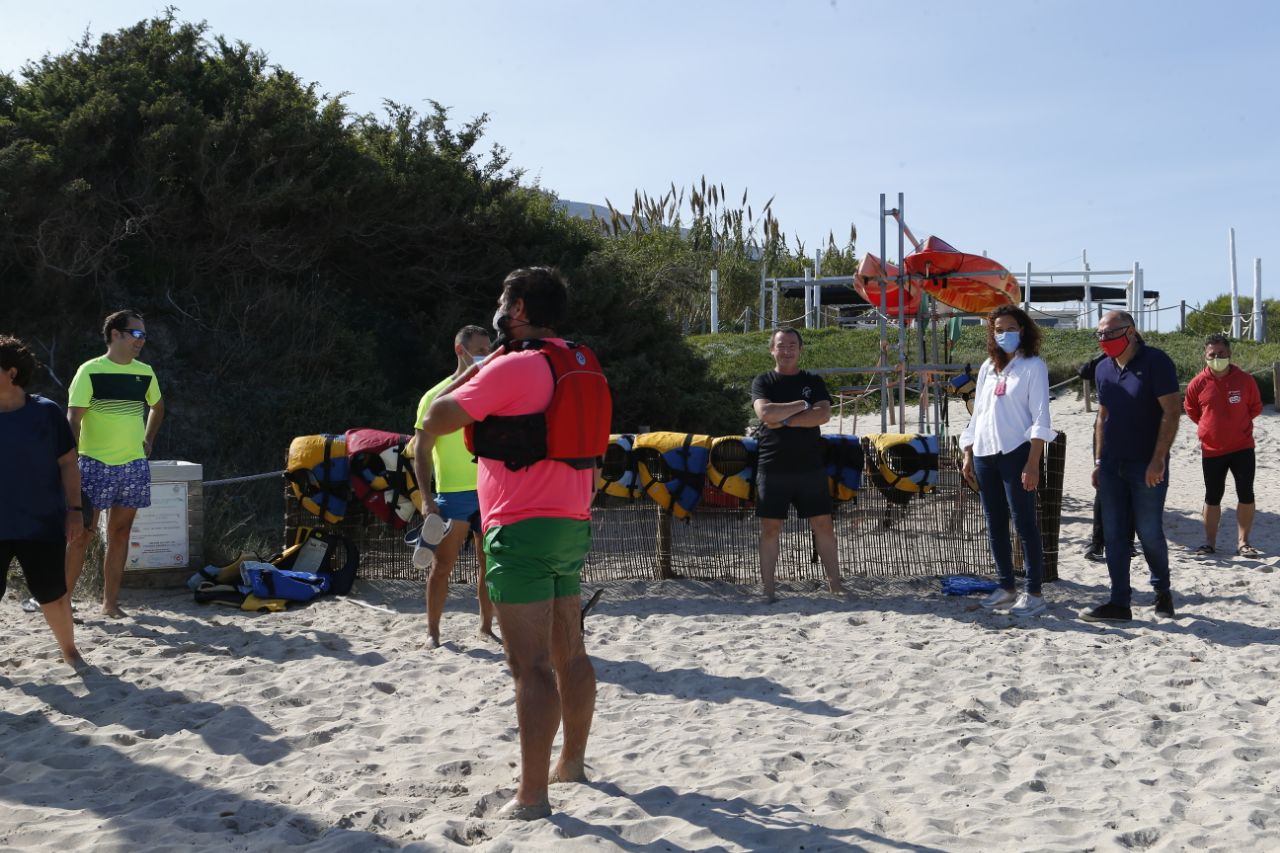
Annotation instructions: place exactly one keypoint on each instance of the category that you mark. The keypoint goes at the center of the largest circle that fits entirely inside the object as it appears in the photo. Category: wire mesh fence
(936, 533)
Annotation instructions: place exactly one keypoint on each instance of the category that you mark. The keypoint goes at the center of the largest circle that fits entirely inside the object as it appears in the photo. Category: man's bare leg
(1244, 523)
(824, 535)
(119, 524)
(527, 630)
(1212, 515)
(576, 680)
(770, 543)
(442, 562)
(482, 592)
(75, 556)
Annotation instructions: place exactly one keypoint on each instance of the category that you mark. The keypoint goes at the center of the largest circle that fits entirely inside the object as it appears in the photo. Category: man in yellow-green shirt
(455, 498)
(115, 410)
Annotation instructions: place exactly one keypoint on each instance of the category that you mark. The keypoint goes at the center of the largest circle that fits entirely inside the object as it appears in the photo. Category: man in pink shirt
(1222, 400)
(535, 509)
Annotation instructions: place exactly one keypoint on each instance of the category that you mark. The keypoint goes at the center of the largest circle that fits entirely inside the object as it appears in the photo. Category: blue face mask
(1008, 341)
(478, 359)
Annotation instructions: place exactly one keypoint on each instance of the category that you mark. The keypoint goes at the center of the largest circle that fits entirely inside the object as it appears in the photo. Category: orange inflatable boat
(969, 283)
(866, 282)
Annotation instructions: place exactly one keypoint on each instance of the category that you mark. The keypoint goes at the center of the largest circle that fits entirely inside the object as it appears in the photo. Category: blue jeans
(1000, 484)
(1124, 492)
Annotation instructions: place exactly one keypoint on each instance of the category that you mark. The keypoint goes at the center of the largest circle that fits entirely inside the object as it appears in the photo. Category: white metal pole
(1130, 303)
(1235, 289)
(1088, 291)
(1259, 316)
(808, 298)
(1142, 300)
(882, 326)
(763, 275)
(817, 289)
(775, 303)
(714, 301)
(903, 351)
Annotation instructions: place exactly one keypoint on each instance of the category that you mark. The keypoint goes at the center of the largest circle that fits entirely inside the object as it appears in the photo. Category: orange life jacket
(574, 429)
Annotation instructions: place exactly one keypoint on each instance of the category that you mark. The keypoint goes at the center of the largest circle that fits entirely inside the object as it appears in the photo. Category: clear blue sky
(1139, 131)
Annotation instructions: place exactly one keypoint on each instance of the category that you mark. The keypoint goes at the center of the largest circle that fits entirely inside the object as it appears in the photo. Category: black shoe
(1095, 555)
(1108, 613)
(1164, 604)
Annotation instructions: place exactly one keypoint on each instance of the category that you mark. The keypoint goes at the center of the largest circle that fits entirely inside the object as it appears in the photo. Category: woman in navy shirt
(39, 492)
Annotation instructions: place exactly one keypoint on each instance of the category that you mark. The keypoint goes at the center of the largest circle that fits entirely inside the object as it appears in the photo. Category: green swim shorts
(537, 559)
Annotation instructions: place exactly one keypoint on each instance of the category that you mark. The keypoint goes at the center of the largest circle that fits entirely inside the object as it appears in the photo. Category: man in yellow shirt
(455, 497)
(115, 411)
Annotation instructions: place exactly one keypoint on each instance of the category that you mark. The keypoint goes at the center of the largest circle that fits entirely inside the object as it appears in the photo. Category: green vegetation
(1215, 316)
(736, 358)
(301, 269)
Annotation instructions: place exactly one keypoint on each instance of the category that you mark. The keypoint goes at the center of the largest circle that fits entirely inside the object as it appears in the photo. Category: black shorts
(778, 491)
(1241, 464)
(42, 565)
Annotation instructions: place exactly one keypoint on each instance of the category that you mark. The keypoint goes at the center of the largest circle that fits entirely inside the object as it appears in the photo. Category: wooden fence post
(664, 546)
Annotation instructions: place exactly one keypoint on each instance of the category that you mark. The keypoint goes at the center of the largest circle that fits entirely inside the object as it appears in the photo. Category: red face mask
(1114, 348)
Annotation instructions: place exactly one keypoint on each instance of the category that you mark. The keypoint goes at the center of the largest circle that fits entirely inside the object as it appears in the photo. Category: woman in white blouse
(1003, 444)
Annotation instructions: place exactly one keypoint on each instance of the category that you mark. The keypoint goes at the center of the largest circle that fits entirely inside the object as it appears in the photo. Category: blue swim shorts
(105, 486)
(460, 506)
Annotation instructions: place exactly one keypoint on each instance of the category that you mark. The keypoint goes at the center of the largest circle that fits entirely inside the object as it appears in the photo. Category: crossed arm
(797, 413)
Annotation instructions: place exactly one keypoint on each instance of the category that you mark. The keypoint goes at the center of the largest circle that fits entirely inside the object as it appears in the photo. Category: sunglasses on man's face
(1112, 334)
(138, 334)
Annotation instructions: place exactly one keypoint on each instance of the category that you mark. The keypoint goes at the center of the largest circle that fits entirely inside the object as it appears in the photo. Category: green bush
(736, 358)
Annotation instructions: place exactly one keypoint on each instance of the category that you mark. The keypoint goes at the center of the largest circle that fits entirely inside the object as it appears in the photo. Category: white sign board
(160, 535)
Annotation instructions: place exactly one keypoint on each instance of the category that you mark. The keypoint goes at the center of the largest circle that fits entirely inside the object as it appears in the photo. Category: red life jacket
(574, 429)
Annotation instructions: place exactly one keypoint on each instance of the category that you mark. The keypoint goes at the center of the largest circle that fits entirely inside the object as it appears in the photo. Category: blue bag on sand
(266, 581)
(966, 585)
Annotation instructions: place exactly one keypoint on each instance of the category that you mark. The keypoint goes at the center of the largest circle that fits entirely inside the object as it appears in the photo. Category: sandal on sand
(586, 608)
(1247, 550)
(1205, 550)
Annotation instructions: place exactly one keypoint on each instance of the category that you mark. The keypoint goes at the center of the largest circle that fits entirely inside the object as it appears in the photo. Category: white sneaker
(999, 598)
(429, 535)
(422, 555)
(1028, 605)
(434, 529)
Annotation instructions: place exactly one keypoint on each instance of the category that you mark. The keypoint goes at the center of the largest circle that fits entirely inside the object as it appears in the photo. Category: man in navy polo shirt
(1139, 406)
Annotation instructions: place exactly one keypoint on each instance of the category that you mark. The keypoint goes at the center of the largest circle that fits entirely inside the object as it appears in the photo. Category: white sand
(898, 720)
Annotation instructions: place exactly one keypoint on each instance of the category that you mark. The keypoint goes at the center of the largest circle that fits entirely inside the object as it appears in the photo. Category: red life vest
(574, 429)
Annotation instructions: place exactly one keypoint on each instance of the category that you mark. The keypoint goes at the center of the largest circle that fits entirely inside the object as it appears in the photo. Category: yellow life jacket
(618, 475)
(902, 464)
(732, 463)
(844, 460)
(673, 469)
(319, 474)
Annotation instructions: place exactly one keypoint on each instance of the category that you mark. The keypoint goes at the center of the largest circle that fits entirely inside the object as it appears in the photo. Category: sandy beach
(897, 719)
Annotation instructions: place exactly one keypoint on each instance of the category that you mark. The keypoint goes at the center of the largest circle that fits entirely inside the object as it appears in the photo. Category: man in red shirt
(1222, 400)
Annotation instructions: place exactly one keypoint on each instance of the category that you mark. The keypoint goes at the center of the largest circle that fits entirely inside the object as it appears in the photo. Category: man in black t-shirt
(792, 404)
